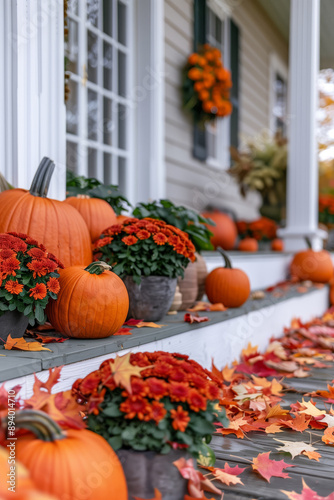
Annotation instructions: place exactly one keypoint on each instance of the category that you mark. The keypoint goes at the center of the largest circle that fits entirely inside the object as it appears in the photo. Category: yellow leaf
(312, 455)
(150, 324)
(23, 345)
(311, 409)
(122, 371)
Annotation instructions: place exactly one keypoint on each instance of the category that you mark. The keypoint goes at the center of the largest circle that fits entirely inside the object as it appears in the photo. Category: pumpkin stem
(41, 181)
(37, 422)
(308, 242)
(228, 264)
(98, 267)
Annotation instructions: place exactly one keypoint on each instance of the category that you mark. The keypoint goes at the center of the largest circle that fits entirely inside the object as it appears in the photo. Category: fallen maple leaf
(312, 455)
(187, 470)
(328, 436)
(149, 324)
(273, 429)
(192, 318)
(46, 338)
(206, 306)
(306, 494)
(226, 478)
(268, 468)
(122, 371)
(124, 331)
(276, 411)
(295, 448)
(22, 345)
(311, 409)
(299, 423)
(133, 322)
(157, 496)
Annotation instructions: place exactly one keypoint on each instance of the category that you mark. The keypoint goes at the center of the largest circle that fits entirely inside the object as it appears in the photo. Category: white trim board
(222, 341)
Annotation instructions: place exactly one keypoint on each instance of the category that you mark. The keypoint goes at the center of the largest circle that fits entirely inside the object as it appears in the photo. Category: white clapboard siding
(190, 181)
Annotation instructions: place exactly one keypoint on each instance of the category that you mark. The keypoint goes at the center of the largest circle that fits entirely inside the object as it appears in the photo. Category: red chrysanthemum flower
(180, 418)
(9, 266)
(141, 224)
(178, 391)
(160, 239)
(167, 232)
(37, 267)
(178, 375)
(57, 261)
(6, 253)
(19, 245)
(212, 391)
(135, 406)
(31, 241)
(102, 242)
(38, 292)
(143, 234)
(114, 229)
(198, 381)
(90, 383)
(13, 287)
(162, 370)
(173, 240)
(139, 388)
(130, 229)
(49, 265)
(152, 228)
(37, 253)
(180, 248)
(196, 401)
(158, 411)
(157, 388)
(53, 285)
(106, 375)
(95, 400)
(129, 240)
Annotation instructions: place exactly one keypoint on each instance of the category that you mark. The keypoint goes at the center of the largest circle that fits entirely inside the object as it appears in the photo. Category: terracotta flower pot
(13, 323)
(151, 299)
(188, 286)
(146, 470)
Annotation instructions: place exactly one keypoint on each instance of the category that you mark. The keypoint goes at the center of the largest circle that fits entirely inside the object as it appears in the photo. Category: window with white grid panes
(218, 131)
(98, 110)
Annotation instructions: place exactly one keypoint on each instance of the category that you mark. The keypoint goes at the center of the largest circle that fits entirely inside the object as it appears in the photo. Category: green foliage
(95, 189)
(189, 221)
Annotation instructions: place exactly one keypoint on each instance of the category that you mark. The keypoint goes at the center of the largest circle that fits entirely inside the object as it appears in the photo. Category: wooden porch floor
(319, 476)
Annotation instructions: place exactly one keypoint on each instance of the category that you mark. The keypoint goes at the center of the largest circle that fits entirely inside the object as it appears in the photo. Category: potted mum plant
(192, 286)
(148, 255)
(153, 408)
(28, 279)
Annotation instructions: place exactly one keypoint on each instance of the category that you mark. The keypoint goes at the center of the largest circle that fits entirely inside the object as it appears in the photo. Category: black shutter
(199, 149)
(234, 58)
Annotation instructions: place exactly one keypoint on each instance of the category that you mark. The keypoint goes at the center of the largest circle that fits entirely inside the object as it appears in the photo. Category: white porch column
(32, 121)
(302, 188)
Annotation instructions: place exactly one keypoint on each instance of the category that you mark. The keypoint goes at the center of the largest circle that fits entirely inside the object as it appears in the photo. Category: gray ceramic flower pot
(12, 323)
(151, 299)
(147, 470)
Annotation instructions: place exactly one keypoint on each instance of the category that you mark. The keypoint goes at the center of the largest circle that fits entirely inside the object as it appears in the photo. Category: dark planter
(12, 323)
(151, 299)
(146, 470)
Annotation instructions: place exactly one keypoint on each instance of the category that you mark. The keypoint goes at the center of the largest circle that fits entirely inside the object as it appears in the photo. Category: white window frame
(222, 159)
(276, 66)
(83, 85)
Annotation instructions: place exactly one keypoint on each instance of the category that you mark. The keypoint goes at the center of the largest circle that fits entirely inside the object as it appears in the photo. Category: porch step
(221, 339)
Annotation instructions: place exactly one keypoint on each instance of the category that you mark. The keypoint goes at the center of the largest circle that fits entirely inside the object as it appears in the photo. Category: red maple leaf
(306, 494)
(192, 318)
(269, 468)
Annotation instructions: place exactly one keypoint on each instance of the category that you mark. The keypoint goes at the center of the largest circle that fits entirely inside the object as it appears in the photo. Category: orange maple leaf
(299, 423)
(312, 455)
(157, 496)
(149, 324)
(122, 371)
(273, 429)
(306, 494)
(268, 468)
(328, 436)
(276, 411)
(22, 345)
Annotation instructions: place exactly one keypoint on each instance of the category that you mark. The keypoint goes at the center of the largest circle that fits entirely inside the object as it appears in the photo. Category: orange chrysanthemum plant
(206, 85)
(153, 401)
(262, 229)
(28, 276)
(146, 247)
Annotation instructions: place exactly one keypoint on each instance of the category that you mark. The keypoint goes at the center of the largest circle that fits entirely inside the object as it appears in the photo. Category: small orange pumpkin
(71, 464)
(121, 218)
(248, 245)
(224, 232)
(316, 266)
(277, 245)
(55, 224)
(229, 286)
(97, 214)
(92, 303)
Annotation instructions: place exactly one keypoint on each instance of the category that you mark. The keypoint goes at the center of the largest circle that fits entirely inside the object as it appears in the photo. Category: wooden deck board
(319, 476)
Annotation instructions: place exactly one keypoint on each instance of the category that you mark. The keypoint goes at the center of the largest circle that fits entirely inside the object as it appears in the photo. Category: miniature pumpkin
(55, 224)
(71, 464)
(248, 245)
(92, 303)
(224, 232)
(97, 213)
(121, 219)
(312, 265)
(226, 285)
(277, 245)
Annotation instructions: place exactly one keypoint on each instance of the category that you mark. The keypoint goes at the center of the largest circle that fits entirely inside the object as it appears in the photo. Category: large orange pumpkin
(248, 245)
(97, 213)
(229, 286)
(312, 265)
(224, 232)
(55, 224)
(92, 303)
(72, 464)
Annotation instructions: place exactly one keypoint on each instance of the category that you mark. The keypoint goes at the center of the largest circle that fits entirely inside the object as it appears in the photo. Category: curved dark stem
(226, 258)
(98, 267)
(39, 423)
(41, 181)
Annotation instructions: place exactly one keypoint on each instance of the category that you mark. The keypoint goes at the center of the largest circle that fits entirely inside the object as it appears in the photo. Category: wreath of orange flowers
(207, 84)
